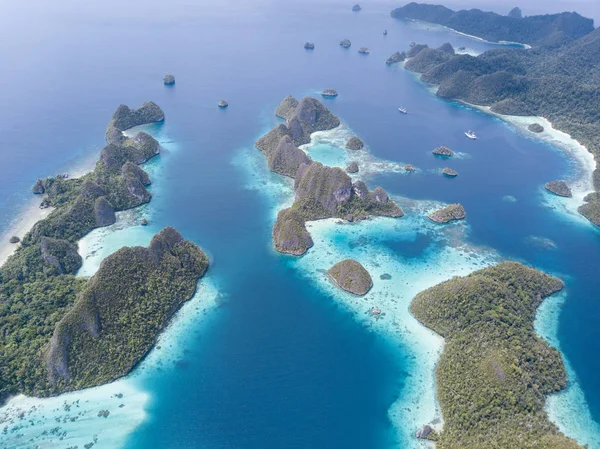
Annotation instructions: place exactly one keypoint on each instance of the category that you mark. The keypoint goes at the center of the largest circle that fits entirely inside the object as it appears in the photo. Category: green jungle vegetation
(495, 372)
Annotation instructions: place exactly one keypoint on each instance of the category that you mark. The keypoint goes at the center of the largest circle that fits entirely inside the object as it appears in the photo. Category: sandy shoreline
(29, 215)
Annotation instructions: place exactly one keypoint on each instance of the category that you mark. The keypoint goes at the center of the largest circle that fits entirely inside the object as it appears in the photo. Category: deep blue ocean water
(278, 365)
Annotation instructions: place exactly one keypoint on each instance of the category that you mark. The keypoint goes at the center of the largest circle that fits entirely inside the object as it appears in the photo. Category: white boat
(403, 110)
(471, 135)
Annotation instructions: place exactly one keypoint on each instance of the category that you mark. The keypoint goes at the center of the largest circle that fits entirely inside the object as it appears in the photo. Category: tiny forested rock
(356, 8)
(222, 104)
(409, 168)
(559, 188)
(351, 276)
(535, 128)
(363, 50)
(309, 46)
(448, 214)
(14, 239)
(329, 93)
(169, 80)
(352, 167)
(345, 43)
(448, 172)
(443, 152)
(355, 144)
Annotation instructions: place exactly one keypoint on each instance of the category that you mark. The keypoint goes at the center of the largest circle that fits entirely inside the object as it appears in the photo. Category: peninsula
(62, 333)
(495, 372)
(321, 191)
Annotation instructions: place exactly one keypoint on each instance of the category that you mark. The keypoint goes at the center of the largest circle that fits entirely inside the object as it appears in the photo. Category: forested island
(495, 372)
(60, 332)
(321, 191)
(532, 30)
(558, 83)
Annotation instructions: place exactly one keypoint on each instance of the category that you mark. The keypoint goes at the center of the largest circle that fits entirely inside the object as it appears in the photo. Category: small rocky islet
(449, 213)
(351, 276)
(449, 173)
(363, 50)
(356, 8)
(222, 104)
(345, 43)
(354, 143)
(443, 152)
(559, 188)
(536, 128)
(169, 80)
(329, 93)
(309, 46)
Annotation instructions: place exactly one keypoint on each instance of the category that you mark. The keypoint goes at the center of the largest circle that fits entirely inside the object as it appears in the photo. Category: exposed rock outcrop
(38, 187)
(363, 50)
(351, 276)
(352, 167)
(329, 93)
(287, 158)
(222, 104)
(356, 8)
(448, 214)
(104, 212)
(309, 46)
(396, 57)
(345, 43)
(355, 144)
(60, 256)
(559, 188)
(169, 80)
(424, 432)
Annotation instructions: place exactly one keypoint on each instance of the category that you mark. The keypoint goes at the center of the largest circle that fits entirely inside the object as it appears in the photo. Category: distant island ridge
(557, 80)
(532, 30)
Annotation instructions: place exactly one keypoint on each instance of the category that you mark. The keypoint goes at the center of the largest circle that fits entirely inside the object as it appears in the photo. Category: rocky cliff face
(123, 308)
(287, 158)
(289, 233)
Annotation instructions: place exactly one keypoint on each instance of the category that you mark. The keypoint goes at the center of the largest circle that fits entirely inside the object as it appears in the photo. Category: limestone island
(495, 373)
(355, 144)
(329, 93)
(449, 213)
(14, 240)
(309, 46)
(351, 276)
(352, 167)
(449, 173)
(559, 188)
(169, 80)
(396, 57)
(84, 333)
(363, 50)
(222, 104)
(443, 152)
(321, 191)
(591, 207)
(535, 128)
(409, 168)
(345, 43)
(356, 8)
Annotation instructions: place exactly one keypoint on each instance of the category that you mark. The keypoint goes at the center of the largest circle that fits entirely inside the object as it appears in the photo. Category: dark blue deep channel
(278, 364)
